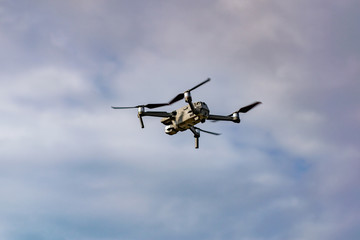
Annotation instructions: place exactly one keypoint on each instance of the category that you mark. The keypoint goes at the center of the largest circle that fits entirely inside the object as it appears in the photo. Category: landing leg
(141, 121)
(196, 142)
(196, 136)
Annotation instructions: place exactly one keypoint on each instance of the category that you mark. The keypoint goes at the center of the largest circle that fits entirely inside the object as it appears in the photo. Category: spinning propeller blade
(181, 95)
(248, 107)
(150, 106)
(235, 115)
(196, 131)
(213, 133)
(175, 99)
(123, 107)
(207, 80)
(155, 105)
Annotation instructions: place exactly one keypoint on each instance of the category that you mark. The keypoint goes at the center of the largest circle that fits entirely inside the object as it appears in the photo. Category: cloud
(71, 167)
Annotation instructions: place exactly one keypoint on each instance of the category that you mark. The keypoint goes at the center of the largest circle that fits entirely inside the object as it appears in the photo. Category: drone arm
(156, 114)
(188, 99)
(221, 118)
(142, 113)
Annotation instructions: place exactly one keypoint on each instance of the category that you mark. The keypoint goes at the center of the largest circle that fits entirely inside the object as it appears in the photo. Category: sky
(73, 168)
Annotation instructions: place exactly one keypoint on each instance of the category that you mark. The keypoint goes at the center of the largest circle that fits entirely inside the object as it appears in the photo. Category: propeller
(187, 92)
(247, 108)
(150, 106)
(213, 133)
(141, 109)
(196, 131)
(175, 99)
(235, 115)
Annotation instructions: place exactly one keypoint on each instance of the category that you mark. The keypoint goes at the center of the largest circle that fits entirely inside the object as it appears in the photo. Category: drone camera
(169, 129)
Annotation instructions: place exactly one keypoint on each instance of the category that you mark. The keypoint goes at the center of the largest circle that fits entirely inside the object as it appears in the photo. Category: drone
(187, 117)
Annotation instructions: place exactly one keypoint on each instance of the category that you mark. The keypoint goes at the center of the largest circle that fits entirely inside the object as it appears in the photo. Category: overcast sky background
(73, 168)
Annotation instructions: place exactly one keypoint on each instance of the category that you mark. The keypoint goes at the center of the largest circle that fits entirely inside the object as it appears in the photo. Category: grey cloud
(73, 168)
